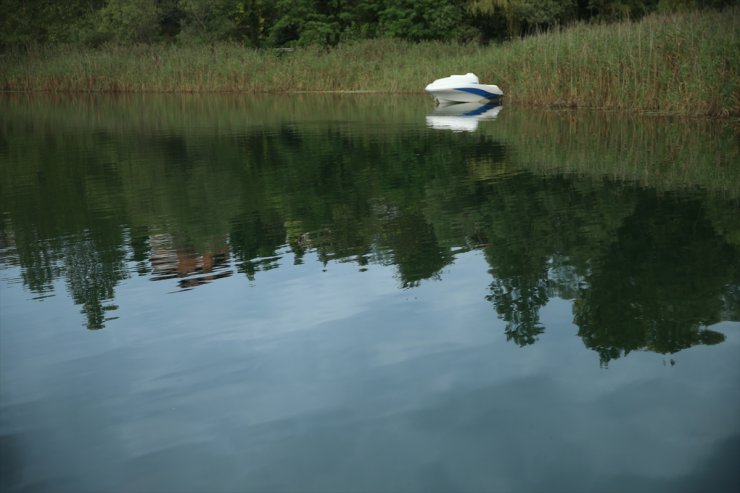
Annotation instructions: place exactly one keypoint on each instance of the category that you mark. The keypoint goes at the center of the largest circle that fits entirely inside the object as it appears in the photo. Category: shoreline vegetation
(681, 63)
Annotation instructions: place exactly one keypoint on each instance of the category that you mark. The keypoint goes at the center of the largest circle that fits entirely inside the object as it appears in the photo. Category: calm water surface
(361, 293)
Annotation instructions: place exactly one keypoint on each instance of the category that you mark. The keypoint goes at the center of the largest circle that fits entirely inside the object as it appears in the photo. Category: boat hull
(465, 93)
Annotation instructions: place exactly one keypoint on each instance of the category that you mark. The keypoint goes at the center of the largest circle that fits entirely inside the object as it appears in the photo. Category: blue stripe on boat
(481, 110)
(479, 92)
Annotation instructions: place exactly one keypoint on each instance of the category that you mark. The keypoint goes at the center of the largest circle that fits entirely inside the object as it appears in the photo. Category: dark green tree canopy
(279, 23)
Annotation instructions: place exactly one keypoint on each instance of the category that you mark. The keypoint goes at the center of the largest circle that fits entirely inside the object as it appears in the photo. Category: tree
(313, 22)
(129, 21)
(418, 20)
(253, 20)
(524, 16)
(206, 21)
(26, 22)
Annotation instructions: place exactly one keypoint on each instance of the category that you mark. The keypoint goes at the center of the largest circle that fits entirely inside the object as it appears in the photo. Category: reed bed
(683, 64)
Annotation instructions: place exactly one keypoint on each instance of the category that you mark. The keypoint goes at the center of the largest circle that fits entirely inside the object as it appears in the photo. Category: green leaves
(206, 21)
(418, 20)
(129, 21)
(281, 23)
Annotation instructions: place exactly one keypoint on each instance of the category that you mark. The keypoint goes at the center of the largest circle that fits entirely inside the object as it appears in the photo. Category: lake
(364, 293)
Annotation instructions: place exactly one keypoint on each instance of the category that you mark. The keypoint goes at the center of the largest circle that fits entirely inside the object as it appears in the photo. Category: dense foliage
(282, 23)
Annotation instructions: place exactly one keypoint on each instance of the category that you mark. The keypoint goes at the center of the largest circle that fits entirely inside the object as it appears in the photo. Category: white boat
(463, 89)
(462, 117)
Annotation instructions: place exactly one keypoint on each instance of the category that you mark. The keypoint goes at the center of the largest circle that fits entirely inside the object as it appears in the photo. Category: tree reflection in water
(646, 267)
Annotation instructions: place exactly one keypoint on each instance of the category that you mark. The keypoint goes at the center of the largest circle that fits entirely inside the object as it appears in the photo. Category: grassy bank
(687, 64)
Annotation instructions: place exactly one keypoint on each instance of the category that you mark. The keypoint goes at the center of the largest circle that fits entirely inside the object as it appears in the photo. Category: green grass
(682, 64)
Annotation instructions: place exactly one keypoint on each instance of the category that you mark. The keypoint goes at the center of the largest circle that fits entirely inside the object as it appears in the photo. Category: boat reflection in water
(462, 117)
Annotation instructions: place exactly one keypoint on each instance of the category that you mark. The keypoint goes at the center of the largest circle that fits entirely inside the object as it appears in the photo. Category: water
(364, 293)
